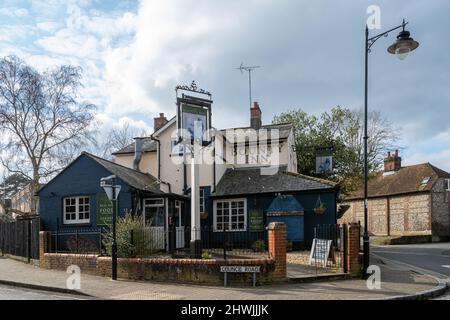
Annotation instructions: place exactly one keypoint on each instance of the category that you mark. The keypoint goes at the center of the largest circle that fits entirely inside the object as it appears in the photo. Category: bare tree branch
(41, 117)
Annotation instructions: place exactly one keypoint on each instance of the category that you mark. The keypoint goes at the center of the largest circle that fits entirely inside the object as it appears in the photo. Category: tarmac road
(432, 257)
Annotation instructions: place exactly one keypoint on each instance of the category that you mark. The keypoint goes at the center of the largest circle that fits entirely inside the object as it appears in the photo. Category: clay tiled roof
(409, 179)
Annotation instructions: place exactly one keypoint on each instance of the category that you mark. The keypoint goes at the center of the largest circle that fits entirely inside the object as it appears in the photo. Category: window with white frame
(76, 210)
(154, 212)
(230, 215)
(447, 184)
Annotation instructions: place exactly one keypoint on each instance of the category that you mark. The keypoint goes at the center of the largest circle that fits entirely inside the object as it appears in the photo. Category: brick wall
(353, 246)
(199, 271)
(277, 248)
(187, 270)
(60, 261)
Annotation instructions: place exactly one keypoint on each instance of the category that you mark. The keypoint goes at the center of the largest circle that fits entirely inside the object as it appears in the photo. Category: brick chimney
(255, 116)
(392, 163)
(159, 122)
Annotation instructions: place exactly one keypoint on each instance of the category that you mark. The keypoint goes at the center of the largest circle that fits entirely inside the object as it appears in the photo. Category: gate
(21, 237)
(329, 248)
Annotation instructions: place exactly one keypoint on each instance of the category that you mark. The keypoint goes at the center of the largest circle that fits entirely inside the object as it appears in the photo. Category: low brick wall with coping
(60, 261)
(198, 271)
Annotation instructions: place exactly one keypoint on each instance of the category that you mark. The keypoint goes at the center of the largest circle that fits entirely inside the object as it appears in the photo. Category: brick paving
(395, 281)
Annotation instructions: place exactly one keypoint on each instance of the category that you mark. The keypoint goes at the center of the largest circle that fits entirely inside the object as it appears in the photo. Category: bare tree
(382, 136)
(118, 138)
(43, 125)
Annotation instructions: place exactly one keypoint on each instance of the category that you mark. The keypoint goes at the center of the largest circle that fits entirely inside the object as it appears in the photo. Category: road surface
(431, 258)
(15, 293)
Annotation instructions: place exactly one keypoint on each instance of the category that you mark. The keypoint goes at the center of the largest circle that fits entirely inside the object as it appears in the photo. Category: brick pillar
(277, 247)
(353, 244)
(43, 245)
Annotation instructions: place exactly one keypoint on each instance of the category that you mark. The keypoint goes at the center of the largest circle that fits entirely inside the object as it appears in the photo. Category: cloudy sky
(134, 53)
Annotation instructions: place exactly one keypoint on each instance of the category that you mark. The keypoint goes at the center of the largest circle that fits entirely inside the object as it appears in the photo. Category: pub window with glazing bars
(230, 215)
(76, 210)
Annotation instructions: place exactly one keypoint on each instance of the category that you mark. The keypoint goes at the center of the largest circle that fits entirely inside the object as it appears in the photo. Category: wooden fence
(20, 238)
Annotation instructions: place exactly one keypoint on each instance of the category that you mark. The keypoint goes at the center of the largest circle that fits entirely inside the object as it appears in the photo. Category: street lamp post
(112, 191)
(401, 48)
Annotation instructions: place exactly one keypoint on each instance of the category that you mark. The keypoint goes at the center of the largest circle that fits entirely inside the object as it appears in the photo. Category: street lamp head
(404, 45)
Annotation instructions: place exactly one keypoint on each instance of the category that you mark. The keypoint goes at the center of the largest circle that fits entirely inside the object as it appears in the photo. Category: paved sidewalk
(396, 280)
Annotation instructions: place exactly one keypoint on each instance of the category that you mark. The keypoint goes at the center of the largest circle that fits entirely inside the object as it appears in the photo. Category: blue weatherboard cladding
(308, 200)
(295, 227)
(285, 203)
(294, 223)
(81, 178)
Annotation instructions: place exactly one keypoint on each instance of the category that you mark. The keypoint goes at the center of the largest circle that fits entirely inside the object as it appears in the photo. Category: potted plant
(320, 207)
(204, 215)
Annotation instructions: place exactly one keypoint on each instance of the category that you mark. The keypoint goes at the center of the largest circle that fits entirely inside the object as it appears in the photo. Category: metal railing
(151, 242)
(76, 240)
(329, 249)
(221, 245)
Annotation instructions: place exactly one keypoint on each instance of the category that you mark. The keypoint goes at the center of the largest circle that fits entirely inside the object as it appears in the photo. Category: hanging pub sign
(193, 115)
(324, 160)
(104, 210)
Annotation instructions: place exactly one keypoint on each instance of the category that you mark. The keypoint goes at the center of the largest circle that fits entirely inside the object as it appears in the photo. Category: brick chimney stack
(255, 116)
(159, 122)
(392, 163)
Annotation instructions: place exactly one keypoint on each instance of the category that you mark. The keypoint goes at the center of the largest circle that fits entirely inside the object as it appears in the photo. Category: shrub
(133, 239)
(206, 255)
(259, 246)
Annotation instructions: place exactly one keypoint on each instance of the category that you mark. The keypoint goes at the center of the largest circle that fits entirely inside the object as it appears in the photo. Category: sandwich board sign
(320, 252)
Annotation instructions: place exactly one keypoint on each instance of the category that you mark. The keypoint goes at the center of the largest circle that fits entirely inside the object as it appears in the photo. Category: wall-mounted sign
(256, 220)
(104, 210)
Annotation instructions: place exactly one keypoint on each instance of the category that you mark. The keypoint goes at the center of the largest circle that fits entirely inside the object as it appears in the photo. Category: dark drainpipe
(137, 153)
(214, 163)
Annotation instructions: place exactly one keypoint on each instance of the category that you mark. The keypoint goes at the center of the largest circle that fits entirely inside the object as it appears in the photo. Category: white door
(179, 228)
(154, 217)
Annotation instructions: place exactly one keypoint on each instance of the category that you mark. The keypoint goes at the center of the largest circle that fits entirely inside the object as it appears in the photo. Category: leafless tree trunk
(43, 125)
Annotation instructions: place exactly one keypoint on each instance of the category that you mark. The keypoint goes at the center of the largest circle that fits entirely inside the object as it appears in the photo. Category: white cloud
(107, 122)
(172, 41)
(440, 159)
(13, 12)
(48, 26)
